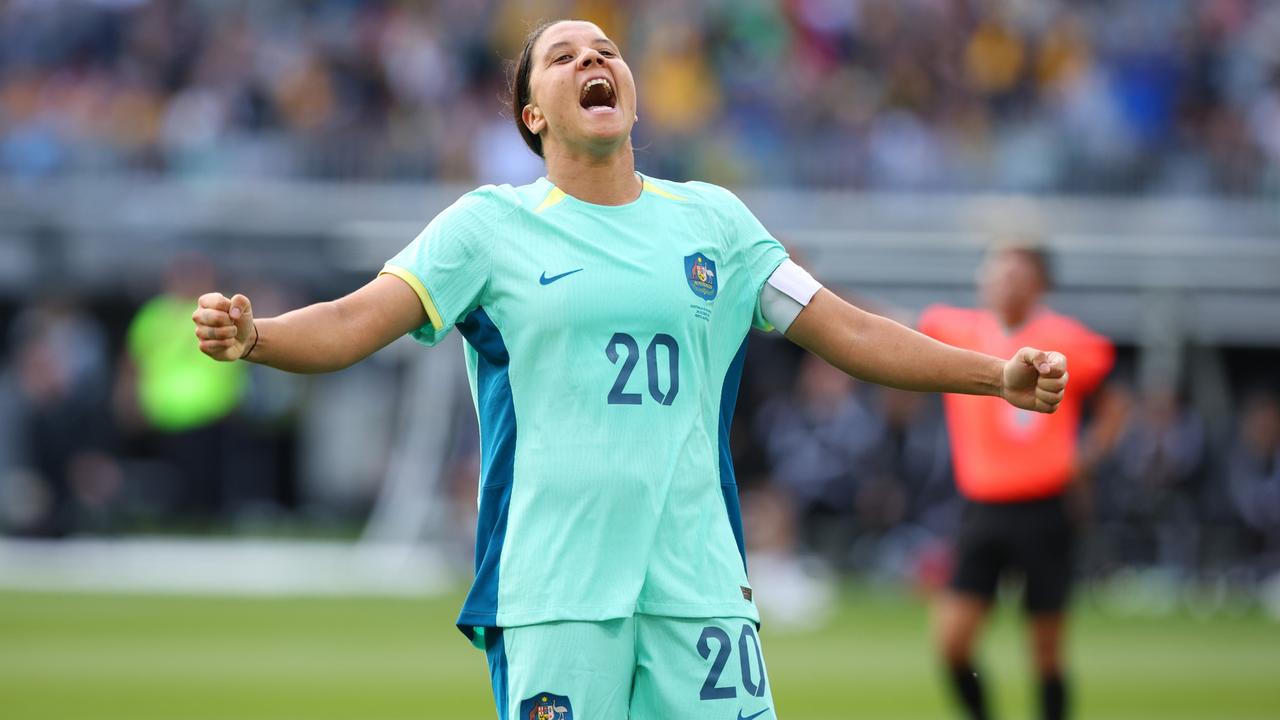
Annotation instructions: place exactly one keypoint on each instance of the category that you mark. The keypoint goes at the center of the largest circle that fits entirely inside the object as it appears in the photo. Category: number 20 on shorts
(748, 650)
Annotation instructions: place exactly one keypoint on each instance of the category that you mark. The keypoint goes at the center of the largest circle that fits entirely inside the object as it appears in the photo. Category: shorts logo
(700, 271)
(546, 706)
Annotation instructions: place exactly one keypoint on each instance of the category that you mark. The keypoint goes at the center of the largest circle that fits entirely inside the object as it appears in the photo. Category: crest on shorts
(700, 271)
(546, 706)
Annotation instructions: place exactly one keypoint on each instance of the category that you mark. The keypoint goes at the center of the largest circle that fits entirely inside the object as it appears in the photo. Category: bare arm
(318, 338)
(879, 350)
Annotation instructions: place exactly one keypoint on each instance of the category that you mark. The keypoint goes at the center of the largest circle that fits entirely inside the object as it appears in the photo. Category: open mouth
(597, 96)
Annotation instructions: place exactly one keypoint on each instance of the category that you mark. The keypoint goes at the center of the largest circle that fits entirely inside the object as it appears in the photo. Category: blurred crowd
(102, 437)
(865, 475)
(1124, 96)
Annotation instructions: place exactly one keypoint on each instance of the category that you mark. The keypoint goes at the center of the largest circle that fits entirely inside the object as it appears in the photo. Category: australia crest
(546, 706)
(700, 272)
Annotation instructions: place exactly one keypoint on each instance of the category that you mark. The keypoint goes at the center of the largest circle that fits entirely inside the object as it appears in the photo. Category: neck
(608, 179)
(1015, 317)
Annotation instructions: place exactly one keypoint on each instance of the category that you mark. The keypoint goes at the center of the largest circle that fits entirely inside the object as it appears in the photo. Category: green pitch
(141, 657)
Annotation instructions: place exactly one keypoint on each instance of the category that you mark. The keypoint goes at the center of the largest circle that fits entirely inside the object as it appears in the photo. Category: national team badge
(546, 706)
(700, 271)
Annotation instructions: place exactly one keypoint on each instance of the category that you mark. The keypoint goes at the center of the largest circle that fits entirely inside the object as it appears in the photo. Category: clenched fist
(224, 326)
(1035, 380)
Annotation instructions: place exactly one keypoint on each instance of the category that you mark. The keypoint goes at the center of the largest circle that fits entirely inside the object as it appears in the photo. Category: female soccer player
(605, 315)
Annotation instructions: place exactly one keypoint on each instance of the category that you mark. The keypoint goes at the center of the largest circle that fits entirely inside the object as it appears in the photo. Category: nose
(589, 57)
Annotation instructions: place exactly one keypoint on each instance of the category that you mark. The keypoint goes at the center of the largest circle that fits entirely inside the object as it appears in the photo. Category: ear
(532, 118)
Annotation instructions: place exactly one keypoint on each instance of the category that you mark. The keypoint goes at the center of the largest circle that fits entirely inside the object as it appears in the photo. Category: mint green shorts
(644, 667)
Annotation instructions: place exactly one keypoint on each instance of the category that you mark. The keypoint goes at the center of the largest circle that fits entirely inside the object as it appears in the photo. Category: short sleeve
(759, 250)
(448, 263)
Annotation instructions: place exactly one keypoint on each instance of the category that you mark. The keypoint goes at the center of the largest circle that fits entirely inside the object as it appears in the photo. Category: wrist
(995, 377)
(253, 343)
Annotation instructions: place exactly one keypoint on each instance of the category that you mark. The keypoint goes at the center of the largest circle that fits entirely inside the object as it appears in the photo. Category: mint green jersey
(604, 346)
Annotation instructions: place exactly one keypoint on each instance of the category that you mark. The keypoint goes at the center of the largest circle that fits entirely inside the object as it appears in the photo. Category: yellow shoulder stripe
(553, 197)
(421, 290)
(650, 187)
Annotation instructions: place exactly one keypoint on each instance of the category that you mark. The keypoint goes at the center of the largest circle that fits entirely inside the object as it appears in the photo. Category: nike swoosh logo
(548, 280)
(756, 715)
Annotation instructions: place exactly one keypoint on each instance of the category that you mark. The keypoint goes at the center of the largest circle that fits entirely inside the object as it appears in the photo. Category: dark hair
(520, 92)
(1042, 258)
(1035, 251)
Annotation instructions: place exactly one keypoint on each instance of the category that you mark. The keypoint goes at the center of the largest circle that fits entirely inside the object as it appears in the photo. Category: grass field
(70, 657)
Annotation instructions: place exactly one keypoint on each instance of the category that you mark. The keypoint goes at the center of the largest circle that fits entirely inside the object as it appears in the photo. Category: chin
(612, 122)
(607, 138)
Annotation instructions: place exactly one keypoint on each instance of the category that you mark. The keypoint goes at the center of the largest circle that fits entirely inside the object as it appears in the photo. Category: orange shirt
(1001, 453)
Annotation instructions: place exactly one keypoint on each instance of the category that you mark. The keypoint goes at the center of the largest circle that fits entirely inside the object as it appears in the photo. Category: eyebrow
(566, 44)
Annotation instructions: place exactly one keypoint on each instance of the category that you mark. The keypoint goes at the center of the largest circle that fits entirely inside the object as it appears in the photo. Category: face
(1009, 282)
(1262, 426)
(582, 94)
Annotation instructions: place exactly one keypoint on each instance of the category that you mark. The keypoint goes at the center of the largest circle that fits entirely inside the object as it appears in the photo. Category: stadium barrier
(224, 567)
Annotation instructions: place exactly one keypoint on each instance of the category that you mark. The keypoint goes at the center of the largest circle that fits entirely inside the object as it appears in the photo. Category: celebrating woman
(605, 315)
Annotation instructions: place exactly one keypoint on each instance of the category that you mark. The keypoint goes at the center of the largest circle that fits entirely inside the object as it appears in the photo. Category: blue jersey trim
(497, 414)
(729, 483)
(495, 648)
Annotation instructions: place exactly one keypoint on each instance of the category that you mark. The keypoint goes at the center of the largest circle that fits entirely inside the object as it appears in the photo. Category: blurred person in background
(1254, 481)
(595, 484)
(1159, 460)
(1014, 468)
(60, 477)
(920, 459)
(802, 589)
(1099, 490)
(918, 465)
(823, 442)
(177, 399)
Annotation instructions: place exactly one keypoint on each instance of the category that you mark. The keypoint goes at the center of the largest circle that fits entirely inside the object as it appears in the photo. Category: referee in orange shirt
(1013, 468)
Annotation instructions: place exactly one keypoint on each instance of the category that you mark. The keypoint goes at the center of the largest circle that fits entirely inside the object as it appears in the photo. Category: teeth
(600, 93)
(596, 83)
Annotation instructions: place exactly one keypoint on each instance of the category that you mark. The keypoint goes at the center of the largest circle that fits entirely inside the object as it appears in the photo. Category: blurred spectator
(1107, 95)
(824, 445)
(177, 396)
(802, 589)
(1160, 457)
(919, 460)
(1254, 480)
(60, 478)
(1100, 493)
(915, 548)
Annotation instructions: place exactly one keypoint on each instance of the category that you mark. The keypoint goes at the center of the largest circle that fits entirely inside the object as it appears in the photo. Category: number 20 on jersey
(625, 349)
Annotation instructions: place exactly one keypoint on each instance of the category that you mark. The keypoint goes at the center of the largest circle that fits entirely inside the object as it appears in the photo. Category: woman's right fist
(224, 326)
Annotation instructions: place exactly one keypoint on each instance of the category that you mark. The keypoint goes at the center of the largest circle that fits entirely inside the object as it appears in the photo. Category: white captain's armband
(788, 290)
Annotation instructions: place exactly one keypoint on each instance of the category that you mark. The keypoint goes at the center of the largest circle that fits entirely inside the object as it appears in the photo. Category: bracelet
(245, 354)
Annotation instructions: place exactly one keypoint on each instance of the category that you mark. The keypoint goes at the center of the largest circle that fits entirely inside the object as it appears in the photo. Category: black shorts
(1035, 539)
